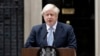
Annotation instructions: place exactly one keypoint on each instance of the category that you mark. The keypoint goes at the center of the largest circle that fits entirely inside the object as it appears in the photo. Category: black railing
(11, 27)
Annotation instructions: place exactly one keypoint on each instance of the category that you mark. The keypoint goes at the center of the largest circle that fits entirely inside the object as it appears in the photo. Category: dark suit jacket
(63, 36)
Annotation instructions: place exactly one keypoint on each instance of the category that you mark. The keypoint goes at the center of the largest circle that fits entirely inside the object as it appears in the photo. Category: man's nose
(49, 16)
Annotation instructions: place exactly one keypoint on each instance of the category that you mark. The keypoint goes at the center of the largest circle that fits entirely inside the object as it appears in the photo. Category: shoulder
(37, 27)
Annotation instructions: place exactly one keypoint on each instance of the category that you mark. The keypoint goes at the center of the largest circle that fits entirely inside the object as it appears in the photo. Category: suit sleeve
(71, 38)
(31, 39)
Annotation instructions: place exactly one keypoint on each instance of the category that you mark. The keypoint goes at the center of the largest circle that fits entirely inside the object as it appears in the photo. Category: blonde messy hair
(50, 7)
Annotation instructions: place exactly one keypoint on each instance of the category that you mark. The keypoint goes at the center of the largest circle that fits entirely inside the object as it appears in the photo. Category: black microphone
(54, 39)
(43, 39)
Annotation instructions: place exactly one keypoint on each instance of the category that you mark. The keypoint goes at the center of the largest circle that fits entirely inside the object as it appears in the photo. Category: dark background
(11, 27)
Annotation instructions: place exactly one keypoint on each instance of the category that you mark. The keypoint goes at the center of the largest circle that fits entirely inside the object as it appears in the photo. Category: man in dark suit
(63, 34)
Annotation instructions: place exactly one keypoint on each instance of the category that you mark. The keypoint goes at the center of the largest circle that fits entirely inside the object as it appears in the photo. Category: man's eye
(51, 14)
(47, 14)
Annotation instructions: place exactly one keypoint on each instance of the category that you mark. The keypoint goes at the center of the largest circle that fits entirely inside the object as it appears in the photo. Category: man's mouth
(50, 20)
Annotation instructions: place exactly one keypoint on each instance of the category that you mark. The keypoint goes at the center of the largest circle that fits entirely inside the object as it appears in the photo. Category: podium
(62, 51)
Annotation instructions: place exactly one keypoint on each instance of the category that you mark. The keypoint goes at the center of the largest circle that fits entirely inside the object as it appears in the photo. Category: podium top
(62, 51)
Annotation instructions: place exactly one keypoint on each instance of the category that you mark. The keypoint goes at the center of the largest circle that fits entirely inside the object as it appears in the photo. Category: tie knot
(51, 28)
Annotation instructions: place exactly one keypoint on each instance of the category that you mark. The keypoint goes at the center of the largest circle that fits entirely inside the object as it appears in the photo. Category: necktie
(50, 37)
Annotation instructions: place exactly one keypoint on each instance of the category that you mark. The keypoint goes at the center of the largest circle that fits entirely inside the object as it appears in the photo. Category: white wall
(97, 28)
(32, 16)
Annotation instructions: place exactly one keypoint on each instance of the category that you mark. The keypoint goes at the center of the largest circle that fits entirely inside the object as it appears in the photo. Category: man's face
(50, 17)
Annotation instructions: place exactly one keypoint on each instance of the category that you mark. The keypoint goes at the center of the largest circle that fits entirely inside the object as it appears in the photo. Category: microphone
(43, 39)
(54, 39)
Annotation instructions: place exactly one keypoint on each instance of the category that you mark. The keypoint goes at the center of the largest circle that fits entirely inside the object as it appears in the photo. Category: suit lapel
(58, 32)
(43, 35)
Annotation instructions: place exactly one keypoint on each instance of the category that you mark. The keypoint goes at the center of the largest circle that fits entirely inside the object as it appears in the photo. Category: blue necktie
(50, 37)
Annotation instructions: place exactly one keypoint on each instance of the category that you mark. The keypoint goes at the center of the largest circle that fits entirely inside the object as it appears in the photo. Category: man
(63, 35)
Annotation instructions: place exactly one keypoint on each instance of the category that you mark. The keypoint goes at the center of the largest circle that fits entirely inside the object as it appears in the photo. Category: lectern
(62, 51)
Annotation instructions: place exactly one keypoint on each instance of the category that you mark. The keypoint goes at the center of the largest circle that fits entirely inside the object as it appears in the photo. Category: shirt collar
(54, 26)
